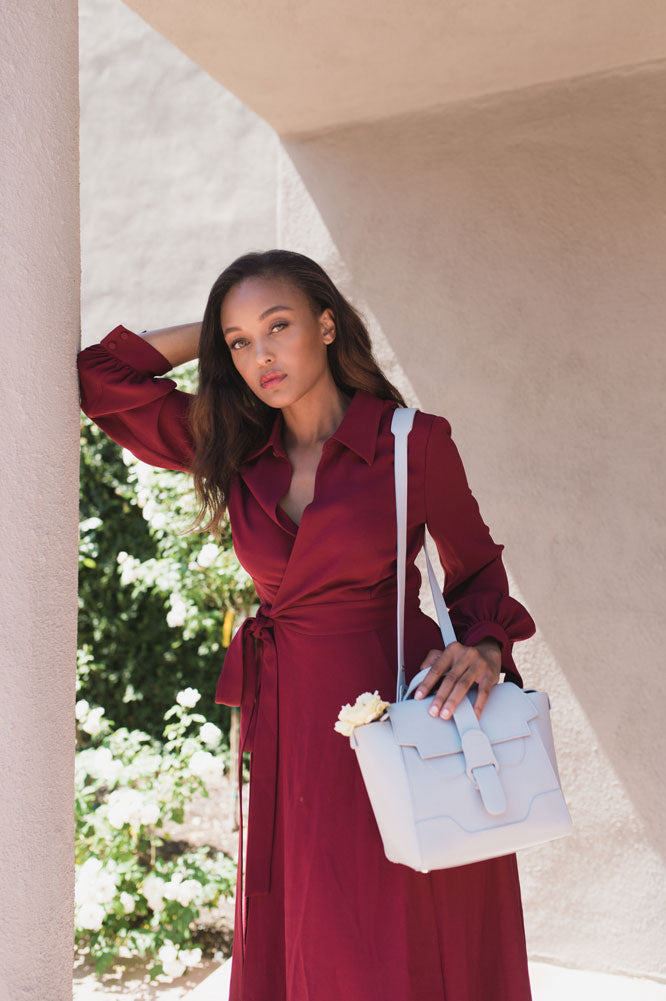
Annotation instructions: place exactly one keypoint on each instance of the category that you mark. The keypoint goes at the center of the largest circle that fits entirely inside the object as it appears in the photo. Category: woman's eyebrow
(266, 312)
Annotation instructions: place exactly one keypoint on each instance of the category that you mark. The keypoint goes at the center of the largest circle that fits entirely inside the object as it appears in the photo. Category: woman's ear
(328, 326)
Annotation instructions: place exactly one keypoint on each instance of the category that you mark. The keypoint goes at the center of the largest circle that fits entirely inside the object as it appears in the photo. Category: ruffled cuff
(492, 614)
(133, 350)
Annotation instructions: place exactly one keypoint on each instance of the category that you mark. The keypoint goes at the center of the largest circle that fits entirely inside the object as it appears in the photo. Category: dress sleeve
(476, 589)
(122, 392)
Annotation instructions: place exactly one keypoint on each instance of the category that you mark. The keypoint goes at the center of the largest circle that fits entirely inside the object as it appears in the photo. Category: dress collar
(357, 430)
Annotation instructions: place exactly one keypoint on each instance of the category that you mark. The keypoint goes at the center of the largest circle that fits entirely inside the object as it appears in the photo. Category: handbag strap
(401, 425)
(481, 763)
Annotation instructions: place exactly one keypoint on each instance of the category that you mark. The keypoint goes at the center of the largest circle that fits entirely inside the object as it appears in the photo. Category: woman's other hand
(457, 668)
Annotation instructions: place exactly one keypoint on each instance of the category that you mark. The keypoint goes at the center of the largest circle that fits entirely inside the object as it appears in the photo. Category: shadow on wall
(512, 254)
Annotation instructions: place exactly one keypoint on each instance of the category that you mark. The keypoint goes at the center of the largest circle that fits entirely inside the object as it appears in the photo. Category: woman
(289, 432)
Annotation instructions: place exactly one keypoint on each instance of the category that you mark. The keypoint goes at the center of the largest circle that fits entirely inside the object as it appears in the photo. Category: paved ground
(211, 983)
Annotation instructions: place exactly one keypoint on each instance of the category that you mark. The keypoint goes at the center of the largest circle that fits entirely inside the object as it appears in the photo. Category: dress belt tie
(249, 679)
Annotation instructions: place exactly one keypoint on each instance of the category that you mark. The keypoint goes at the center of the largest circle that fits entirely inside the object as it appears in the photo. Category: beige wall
(511, 251)
(178, 177)
(321, 64)
(39, 443)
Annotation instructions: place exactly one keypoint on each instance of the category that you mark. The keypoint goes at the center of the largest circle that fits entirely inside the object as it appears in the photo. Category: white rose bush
(196, 574)
(157, 606)
(133, 895)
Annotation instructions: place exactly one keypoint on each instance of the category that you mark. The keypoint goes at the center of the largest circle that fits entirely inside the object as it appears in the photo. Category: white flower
(90, 916)
(207, 554)
(109, 768)
(130, 570)
(185, 891)
(122, 556)
(176, 615)
(210, 734)
(81, 709)
(173, 968)
(368, 707)
(163, 786)
(190, 956)
(127, 457)
(125, 806)
(90, 523)
(149, 509)
(93, 722)
(150, 813)
(149, 763)
(99, 763)
(171, 964)
(144, 472)
(188, 697)
(205, 765)
(153, 890)
(95, 886)
(168, 950)
(159, 520)
(128, 902)
(189, 891)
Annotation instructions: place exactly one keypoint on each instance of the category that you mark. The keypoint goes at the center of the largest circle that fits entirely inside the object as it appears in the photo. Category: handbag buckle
(478, 752)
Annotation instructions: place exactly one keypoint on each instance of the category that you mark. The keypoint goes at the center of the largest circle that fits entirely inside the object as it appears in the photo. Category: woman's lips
(266, 384)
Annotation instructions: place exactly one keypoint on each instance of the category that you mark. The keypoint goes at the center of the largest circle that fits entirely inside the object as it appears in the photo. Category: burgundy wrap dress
(322, 915)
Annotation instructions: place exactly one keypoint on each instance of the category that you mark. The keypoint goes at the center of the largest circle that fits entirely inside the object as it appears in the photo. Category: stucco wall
(307, 65)
(510, 251)
(178, 177)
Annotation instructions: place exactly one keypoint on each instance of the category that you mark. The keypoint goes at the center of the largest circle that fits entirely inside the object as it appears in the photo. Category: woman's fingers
(482, 696)
(456, 681)
(457, 668)
(455, 685)
(439, 662)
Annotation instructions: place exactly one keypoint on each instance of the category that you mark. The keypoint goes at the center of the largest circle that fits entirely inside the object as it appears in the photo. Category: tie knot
(261, 622)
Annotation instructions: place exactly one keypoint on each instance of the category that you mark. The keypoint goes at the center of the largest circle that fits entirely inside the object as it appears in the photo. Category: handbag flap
(505, 716)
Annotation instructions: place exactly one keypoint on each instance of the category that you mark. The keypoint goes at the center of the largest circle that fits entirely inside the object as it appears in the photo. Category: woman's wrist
(491, 647)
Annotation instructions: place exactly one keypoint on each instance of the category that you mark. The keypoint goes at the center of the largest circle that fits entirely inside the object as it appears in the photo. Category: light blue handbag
(449, 792)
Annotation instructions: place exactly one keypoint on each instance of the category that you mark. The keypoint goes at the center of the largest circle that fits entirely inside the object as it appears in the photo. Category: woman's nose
(263, 352)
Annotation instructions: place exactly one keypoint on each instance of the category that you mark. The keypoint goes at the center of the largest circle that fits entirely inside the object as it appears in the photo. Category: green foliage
(133, 895)
(156, 611)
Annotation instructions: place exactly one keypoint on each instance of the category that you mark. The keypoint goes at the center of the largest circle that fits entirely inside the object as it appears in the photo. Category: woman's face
(268, 326)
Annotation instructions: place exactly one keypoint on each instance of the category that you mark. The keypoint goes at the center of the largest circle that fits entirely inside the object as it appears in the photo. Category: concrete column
(39, 445)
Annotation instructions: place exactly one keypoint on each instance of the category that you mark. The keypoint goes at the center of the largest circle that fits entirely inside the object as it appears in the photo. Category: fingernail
(433, 710)
(418, 694)
(446, 713)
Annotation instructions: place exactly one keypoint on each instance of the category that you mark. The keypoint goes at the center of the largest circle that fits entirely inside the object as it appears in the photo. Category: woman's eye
(239, 340)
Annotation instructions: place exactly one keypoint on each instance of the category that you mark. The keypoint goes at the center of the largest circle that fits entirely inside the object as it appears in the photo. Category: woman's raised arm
(123, 391)
(178, 344)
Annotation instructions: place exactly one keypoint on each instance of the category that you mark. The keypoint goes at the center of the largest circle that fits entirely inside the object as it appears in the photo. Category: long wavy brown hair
(228, 420)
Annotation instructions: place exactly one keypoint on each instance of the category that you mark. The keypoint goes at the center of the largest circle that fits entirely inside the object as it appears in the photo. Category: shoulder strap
(482, 766)
(401, 425)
